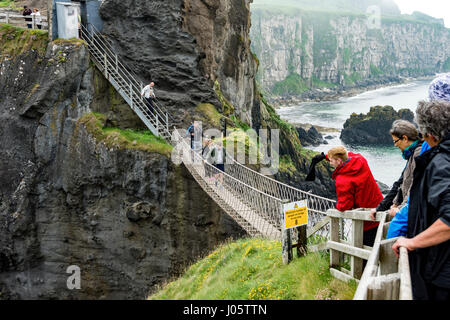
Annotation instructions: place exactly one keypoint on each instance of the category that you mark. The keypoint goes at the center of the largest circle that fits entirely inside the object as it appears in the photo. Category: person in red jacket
(355, 186)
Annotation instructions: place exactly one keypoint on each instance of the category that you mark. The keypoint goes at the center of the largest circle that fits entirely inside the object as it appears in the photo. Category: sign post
(295, 215)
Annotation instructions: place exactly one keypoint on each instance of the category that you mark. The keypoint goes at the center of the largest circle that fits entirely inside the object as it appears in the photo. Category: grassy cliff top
(252, 269)
(124, 139)
(15, 40)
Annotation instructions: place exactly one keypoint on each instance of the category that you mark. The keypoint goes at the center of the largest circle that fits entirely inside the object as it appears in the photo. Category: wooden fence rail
(19, 20)
(384, 277)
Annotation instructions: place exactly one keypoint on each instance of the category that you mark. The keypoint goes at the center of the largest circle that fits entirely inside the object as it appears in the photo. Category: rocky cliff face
(192, 47)
(184, 46)
(299, 50)
(128, 219)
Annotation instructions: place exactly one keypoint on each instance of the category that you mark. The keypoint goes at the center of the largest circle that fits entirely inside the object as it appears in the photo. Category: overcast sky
(434, 8)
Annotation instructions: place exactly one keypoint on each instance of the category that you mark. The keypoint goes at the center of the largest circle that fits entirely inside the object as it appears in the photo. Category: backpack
(190, 129)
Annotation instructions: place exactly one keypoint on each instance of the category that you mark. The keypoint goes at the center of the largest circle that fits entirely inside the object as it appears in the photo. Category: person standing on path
(27, 12)
(37, 18)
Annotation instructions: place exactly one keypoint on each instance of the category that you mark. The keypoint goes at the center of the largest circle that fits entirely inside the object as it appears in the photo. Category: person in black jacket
(27, 12)
(405, 137)
(428, 235)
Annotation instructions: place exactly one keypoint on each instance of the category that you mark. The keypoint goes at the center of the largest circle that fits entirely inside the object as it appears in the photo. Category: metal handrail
(105, 43)
(123, 77)
(259, 209)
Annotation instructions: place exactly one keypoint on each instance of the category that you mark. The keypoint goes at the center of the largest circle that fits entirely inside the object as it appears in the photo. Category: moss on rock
(123, 138)
(15, 41)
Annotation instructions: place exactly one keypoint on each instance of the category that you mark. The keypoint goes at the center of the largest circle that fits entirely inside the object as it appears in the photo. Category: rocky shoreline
(320, 95)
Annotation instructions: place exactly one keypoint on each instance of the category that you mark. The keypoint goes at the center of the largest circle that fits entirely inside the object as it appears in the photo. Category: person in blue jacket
(399, 224)
(428, 233)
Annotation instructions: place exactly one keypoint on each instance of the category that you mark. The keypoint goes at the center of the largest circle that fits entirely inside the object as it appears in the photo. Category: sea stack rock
(310, 137)
(373, 128)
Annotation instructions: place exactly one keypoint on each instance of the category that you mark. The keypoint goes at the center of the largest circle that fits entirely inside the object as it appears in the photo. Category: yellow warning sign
(295, 214)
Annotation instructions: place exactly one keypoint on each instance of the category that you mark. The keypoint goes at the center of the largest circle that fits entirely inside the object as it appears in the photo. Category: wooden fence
(19, 20)
(384, 277)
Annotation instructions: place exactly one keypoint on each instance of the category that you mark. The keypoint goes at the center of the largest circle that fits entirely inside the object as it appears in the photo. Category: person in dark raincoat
(428, 235)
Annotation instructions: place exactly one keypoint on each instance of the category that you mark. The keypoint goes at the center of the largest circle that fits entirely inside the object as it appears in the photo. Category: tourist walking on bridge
(355, 186)
(428, 235)
(218, 156)
(206, 154)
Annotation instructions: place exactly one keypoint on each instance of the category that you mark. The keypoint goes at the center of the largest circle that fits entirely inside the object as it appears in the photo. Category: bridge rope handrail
(198, 159)
(275, 207)
(259, 211)
(279, 182)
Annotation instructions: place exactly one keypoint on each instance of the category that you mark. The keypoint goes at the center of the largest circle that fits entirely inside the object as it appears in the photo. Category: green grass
(15, 41)
(317, 83)
(124, 138)
(210, 112)
(286, 165)
(293, 84)
(374, 70)
(8, 4)
(354, 78)
(227, 106)
(253, 270)
(239, 124)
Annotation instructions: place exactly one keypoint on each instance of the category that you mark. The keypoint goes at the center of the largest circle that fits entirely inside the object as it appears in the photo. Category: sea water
(386, 162)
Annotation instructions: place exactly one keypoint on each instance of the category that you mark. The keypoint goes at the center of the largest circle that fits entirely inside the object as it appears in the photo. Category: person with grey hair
(428, 232)
(405, 137)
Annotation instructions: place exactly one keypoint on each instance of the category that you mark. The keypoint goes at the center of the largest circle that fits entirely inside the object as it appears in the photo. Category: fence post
(357, 242)
(302, 247)
(334, 236)
(7, 17)
(286, 243)
(34, 22)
